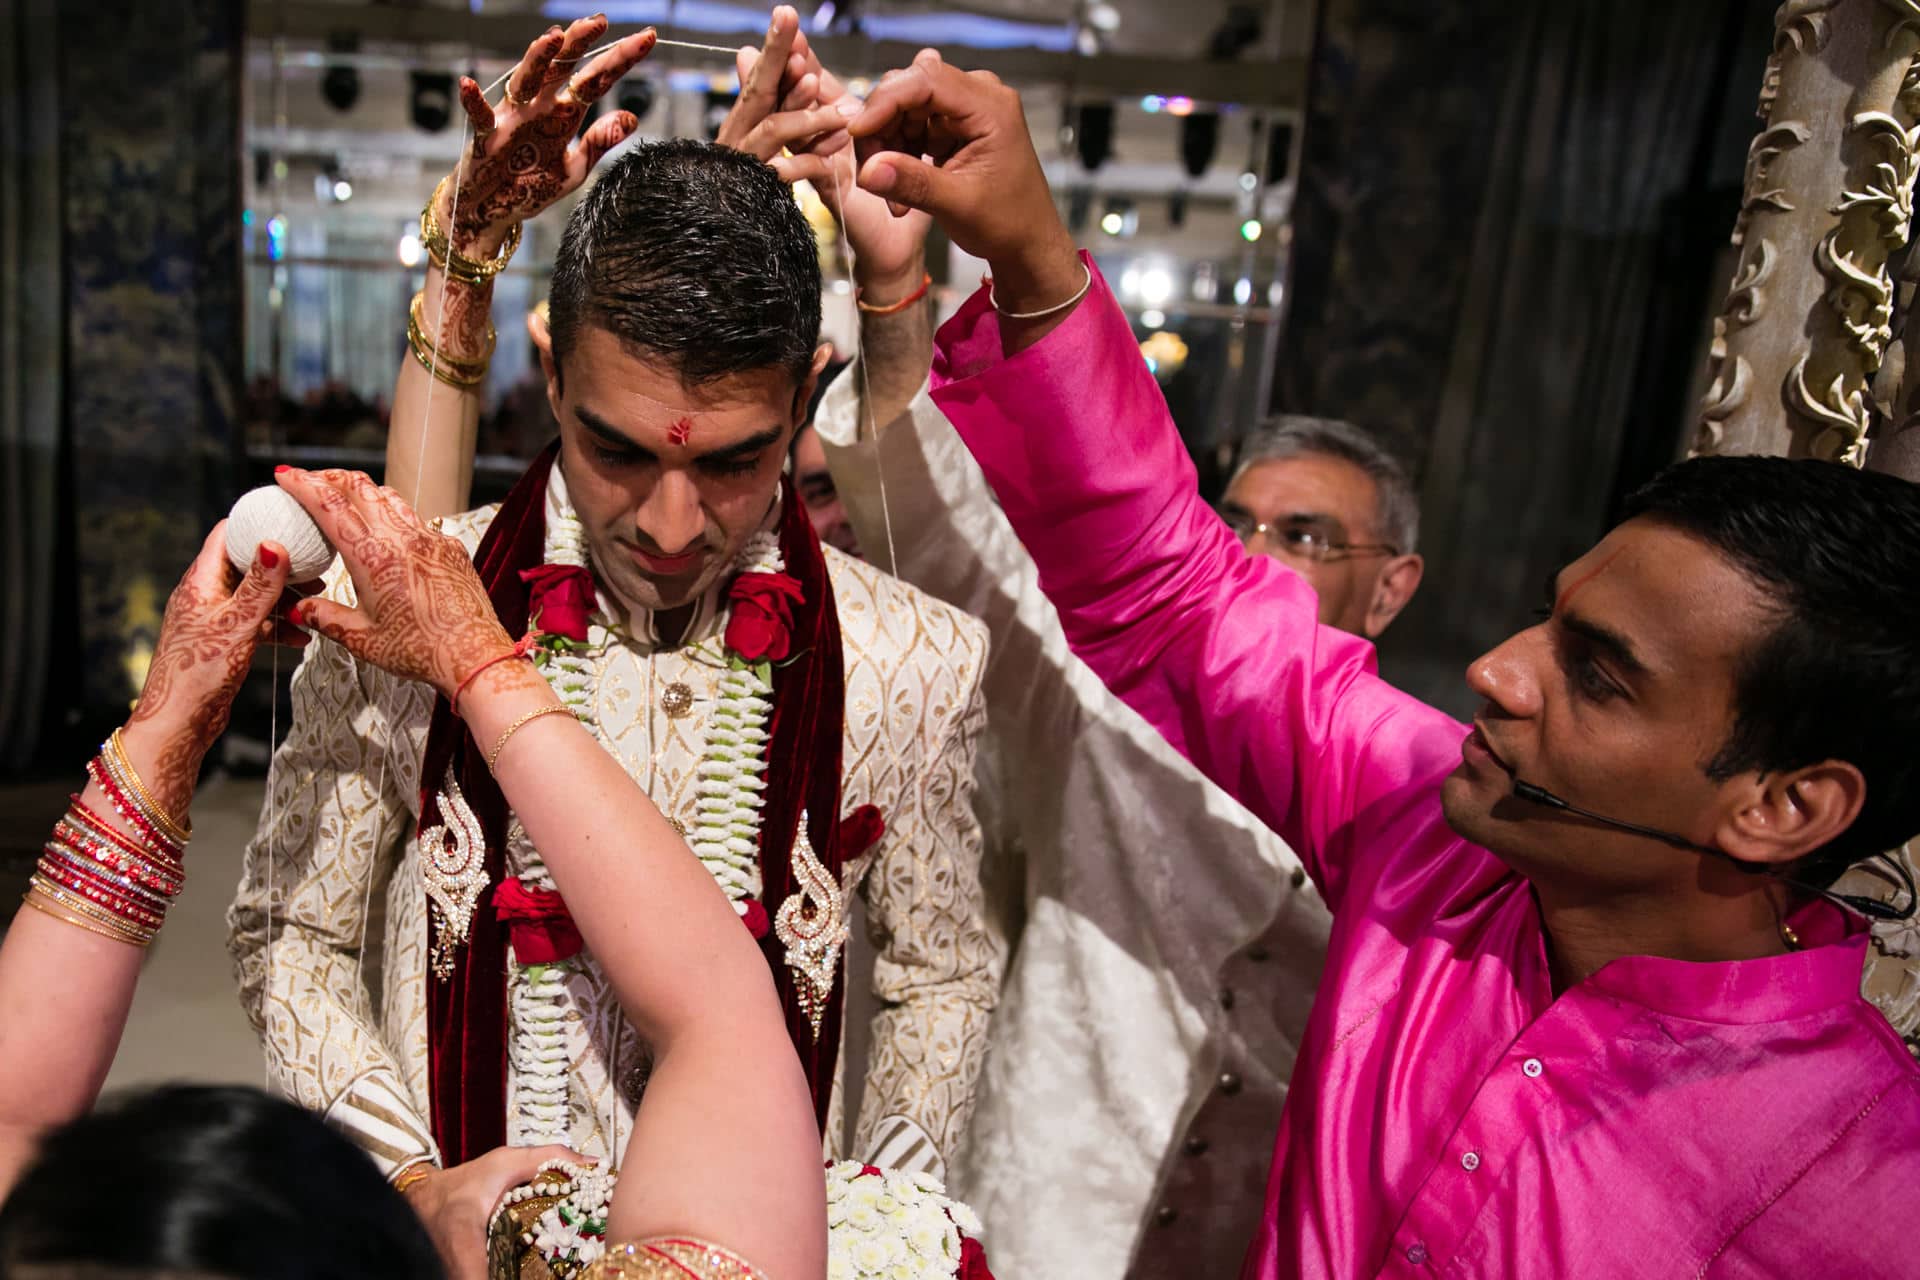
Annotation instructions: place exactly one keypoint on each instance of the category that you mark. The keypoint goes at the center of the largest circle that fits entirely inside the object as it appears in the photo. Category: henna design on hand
(207, 638)
(423, 613)
(523, 156)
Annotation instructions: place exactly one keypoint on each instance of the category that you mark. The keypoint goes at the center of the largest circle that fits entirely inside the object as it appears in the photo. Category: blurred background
(1494, 232)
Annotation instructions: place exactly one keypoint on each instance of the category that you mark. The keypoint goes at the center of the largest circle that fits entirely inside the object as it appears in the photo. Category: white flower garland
(892, 1225)
(725, 837)
(888, 1225)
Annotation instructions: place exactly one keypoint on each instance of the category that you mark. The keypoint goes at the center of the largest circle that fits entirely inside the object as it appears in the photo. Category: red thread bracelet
(894, 308)
(521, 648)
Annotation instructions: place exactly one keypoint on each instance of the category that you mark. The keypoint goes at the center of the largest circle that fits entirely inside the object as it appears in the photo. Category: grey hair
(1288, 435)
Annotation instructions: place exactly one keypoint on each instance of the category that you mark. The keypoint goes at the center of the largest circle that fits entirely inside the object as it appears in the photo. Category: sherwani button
(1196, 1145)
(1165, 1214)
(1299, 877)
(1226, 997)
(1229, 1083)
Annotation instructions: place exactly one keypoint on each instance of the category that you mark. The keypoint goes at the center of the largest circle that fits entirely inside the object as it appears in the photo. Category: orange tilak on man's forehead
(1572, 589)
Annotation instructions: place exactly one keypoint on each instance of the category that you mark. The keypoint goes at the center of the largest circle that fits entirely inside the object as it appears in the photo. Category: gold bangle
(174, 829)
(56, 901)
(499, 746)
(413, 1173)
(148, 923)
(457, 265)
(452, 370)
(417, 328)
(47, 908)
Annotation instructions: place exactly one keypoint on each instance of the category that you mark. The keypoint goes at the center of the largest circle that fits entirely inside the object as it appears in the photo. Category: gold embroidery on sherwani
(913, 712)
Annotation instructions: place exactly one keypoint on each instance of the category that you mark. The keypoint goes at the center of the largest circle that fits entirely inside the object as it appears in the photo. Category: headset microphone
(1872, 908)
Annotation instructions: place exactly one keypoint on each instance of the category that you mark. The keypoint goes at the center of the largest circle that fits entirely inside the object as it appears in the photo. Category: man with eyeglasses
(1325, 498)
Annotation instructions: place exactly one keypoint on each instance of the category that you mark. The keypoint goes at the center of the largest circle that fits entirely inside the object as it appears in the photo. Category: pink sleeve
(1219, 651)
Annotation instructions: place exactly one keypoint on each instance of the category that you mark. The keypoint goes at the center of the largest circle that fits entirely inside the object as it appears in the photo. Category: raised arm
(72, 954)
(1221, 652)
(724, 1144)
(523, 158)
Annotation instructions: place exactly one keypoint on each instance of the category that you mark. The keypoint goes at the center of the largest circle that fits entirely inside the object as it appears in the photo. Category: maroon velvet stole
(467, 1013)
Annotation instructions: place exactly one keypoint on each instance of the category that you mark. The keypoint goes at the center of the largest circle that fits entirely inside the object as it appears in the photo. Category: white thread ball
(270, 514)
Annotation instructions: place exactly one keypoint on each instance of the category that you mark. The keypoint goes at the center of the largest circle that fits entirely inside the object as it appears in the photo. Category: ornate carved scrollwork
(1803, 24)
(1756, 194)
(1843, 415)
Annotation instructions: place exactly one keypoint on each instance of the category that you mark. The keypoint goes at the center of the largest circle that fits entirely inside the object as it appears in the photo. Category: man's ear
(1778, 818)
(803, 395)
(541, 332)
(1395, 584)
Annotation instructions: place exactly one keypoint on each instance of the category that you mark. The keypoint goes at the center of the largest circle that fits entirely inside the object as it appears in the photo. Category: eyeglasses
(1302, 537)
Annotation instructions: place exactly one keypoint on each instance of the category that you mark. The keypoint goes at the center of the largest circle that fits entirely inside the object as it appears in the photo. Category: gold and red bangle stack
(95, 876)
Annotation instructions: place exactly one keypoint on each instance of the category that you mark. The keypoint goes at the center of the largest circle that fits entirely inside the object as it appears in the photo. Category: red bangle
(893, 308)
(154, 839)
(81, 817)
(521, 648)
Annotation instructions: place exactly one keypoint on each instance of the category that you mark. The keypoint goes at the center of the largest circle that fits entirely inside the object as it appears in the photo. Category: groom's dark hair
(696, 254)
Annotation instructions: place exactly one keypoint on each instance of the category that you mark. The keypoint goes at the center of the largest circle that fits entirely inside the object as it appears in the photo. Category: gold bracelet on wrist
(56, 900)
(116, 757)
(413, 1173)
(439, 247)
(45, 906)
(453, 370)
(506, 735)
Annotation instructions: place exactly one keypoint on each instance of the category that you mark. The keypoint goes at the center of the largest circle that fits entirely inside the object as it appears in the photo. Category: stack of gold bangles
(95, 876)
(433, 237)
(452, 370)
(456, 371)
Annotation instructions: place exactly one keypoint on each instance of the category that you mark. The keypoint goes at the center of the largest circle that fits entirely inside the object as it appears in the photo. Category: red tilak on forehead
(680, 432)
(1573, 588)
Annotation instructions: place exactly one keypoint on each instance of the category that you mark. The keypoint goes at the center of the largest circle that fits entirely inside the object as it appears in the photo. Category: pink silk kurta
(1448, 1115)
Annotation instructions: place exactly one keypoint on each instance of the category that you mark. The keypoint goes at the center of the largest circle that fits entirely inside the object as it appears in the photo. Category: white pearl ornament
(270, 514)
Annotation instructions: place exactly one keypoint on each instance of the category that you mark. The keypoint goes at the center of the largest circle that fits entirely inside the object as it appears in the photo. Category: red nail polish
(282, 467)
(269, 558)
(296, 614)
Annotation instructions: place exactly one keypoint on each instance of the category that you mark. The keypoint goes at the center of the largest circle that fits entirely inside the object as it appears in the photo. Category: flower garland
(888, 1224)
(570, 636)
(881, 1224)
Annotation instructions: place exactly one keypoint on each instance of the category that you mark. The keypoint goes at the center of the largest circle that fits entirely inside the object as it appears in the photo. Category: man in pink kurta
(1449, 1115)
(1593, 1054)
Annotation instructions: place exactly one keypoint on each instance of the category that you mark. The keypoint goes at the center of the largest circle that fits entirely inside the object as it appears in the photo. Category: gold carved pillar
(1828, 203)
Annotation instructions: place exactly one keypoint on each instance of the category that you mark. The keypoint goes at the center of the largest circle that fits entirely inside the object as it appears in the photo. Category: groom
(808, 720)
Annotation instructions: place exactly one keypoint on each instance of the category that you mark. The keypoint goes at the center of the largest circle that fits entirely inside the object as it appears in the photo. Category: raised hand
(422, 611)
(457, 1204)
(889, 252)
(955, 144)
(524, 156)
(784, 103)
(214, 621)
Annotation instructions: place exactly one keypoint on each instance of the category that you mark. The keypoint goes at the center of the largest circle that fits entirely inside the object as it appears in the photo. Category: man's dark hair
(1837, 552)
(694, 253)
(211, 1180)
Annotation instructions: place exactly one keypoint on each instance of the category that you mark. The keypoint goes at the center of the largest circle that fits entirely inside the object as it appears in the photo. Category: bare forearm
(64, 990)
(435, 425)
(725, 1134)
(896, 348)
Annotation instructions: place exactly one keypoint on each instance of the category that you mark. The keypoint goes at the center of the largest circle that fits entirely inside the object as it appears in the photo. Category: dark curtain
(30, 372)
(1521, 244)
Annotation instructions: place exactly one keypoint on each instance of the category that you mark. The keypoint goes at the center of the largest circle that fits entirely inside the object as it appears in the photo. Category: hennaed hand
(422, 612)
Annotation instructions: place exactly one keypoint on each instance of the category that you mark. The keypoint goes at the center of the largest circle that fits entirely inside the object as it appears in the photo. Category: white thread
(273, 739)
(568, 62)
(866, 384)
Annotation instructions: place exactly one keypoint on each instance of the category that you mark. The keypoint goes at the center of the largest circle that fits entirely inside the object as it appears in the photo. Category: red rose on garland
(542, 928)
(761, 628)
(559, 599)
